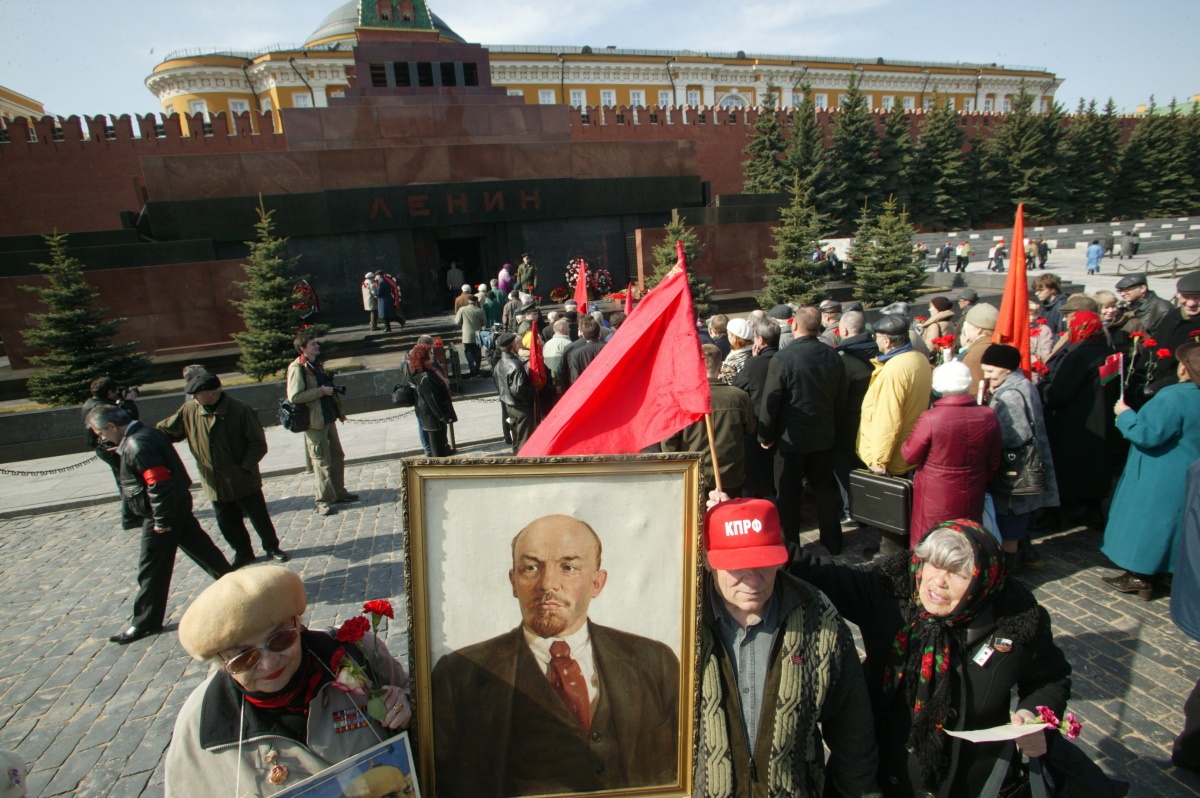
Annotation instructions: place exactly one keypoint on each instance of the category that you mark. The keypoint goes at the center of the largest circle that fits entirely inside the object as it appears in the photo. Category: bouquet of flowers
(1147, 347)
(351, 678)
(1069, 725)
(945, 345)
(598, 280)
(559, 293)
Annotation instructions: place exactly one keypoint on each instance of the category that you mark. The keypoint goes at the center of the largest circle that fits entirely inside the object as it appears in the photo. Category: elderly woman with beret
(277, 706)
(948, 638)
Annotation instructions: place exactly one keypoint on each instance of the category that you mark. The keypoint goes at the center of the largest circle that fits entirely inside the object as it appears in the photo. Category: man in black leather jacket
(154, 486)
(515, 389)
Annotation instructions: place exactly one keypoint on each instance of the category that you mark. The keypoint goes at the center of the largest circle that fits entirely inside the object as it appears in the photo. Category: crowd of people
(802, 397)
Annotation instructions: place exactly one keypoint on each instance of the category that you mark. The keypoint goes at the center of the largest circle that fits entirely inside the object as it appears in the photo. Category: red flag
(537, 364)
(629, 300)
(1111, 368)
(581, 288)
(1013, 325)
(645, 385)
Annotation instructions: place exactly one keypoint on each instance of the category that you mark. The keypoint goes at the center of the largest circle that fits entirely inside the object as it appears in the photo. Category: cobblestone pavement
(93, 718)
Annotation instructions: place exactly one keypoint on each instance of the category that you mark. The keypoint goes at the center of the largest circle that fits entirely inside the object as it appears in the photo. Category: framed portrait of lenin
(553, 616)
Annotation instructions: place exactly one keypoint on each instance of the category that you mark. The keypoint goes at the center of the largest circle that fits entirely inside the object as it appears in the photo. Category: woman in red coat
(956, 446)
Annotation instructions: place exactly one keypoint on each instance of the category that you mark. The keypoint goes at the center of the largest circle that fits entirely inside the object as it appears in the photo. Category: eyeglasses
(278, 643)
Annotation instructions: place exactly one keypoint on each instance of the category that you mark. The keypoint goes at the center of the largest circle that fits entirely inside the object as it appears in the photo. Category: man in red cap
(776, 661)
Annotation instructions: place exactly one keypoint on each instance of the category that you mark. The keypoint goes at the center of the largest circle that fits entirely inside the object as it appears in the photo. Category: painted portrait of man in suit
(559, 703)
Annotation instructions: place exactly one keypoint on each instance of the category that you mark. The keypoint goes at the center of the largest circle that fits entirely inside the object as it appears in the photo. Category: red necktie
(567, 680)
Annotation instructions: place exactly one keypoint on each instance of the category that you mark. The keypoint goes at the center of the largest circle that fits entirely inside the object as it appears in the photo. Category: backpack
(293, 418)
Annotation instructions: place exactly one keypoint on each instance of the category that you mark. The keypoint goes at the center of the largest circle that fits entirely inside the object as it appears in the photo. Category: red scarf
(300, 690)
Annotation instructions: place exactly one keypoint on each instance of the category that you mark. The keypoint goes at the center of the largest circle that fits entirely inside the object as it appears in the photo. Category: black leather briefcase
(881, 501)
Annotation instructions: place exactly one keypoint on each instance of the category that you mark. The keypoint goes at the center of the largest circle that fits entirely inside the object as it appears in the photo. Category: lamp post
(562, 80)
(671, 77)
(928, 75)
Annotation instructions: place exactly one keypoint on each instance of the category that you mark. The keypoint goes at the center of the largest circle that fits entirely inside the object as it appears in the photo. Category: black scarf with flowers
(927, 647)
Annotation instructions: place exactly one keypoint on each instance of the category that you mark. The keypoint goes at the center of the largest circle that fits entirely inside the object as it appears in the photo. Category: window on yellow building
(302, 99)
(693, 98)
(909, 103)
(578, 97)
(666, 97)
(888, 102)
(546, 97)
(608, 98)
(238, 106)
(821, 100)
(637, 99)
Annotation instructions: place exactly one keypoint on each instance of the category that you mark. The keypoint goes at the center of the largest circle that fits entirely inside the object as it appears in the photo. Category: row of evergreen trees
(1064, 168)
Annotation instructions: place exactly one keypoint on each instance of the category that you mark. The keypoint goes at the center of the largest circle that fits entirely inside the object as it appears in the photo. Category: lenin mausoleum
(387, 143)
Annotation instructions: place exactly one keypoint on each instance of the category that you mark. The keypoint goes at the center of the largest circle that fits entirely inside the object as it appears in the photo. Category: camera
(127, 392)
(340, 389)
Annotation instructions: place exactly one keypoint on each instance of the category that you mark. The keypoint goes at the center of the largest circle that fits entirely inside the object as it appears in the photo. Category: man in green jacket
(228, 442)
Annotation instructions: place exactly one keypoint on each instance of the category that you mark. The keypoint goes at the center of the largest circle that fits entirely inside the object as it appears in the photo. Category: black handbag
(1021, 472)
(881, 501)
(293, 418)
(1064, 772)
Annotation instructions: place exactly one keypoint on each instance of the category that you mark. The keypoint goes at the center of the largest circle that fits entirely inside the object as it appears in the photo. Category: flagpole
(1121, 363)
(712, 450)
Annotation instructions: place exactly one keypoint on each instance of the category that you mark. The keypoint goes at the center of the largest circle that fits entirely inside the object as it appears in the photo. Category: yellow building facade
(14, 104)
(309, 75)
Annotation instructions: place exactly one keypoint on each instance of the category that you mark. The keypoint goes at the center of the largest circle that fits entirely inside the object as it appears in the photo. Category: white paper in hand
(1005, 732)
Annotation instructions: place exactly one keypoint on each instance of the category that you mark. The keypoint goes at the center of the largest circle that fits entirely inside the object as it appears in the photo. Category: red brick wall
(176, 307)
(733, 254)
(74, 184)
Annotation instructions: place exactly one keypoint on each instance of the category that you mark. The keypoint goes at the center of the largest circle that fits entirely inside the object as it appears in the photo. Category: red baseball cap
(743, 533)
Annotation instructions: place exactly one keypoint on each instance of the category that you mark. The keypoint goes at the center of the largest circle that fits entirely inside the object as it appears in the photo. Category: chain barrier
(8, 473)
(1173, 266)
(460, 399)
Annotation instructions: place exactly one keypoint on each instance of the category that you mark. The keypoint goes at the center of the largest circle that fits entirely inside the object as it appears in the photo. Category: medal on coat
(278, 775)
(1002, 644)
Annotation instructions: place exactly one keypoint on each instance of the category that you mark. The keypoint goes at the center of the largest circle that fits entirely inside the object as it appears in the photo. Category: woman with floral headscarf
(947, 638)
(1079, 420)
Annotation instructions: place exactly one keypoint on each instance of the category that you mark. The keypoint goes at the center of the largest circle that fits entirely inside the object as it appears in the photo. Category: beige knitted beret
(239, 606)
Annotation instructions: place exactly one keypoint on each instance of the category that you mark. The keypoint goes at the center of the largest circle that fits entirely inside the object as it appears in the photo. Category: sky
(88, 57)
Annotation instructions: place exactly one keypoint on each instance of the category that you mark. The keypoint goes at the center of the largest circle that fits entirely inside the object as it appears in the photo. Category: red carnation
(336, 659)
(1150, 343)
(1164, 352)
(353, 630)
(1194, 335)
(379, 607)
(1137, 335)
(920, 318)
(1041, 320)
(1034, 332)
(927, 667)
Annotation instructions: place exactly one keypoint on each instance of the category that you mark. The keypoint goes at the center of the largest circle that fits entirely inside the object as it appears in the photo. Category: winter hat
(1002, 356)
(941, 303)
(983, 316)
(740, 328)
(203, 382)
(952, 378)
(238, 606)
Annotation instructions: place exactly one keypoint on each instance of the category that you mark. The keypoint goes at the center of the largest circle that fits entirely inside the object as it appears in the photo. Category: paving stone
(66, 780)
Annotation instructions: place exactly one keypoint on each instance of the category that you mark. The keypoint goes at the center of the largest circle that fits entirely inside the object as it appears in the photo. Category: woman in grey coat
(1019, 411)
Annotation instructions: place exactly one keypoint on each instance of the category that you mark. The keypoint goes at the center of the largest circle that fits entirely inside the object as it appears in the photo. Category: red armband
(156, 475)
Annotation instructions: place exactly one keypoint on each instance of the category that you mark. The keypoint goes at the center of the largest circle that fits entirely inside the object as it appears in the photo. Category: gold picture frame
(461, 523)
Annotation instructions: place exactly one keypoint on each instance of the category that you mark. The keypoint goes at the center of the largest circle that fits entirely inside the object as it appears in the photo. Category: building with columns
(309, 75)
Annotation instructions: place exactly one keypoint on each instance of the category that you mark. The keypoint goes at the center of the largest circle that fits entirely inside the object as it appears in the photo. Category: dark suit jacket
(481, 691)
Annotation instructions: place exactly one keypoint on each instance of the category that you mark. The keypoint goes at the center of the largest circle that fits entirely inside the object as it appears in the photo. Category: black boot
(1129, 582)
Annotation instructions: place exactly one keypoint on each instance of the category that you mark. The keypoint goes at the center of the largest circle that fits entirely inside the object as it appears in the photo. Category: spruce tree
(1025, 151)
(938, 179)
(853, 160)
(271, 321)
(805, 153)
(792, 276)
(665, 258)
(982, 198)
(896, 155)
(1089, 156)
(765, 172)
(1156, 167)
(75, 338)
(884, 268)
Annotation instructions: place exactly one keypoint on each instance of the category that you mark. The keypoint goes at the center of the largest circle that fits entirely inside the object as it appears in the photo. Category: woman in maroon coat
(956, 446)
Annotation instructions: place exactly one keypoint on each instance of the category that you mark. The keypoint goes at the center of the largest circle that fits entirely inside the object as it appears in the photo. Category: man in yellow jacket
(900, 391)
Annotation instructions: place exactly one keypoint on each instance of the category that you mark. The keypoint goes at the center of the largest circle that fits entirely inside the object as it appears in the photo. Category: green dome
(345, 18)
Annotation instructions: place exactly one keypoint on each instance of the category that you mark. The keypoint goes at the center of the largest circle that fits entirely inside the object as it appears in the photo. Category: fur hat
(238, 606)
(741, 328)
(983, 316)
(952, 378)
(1002, 356)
